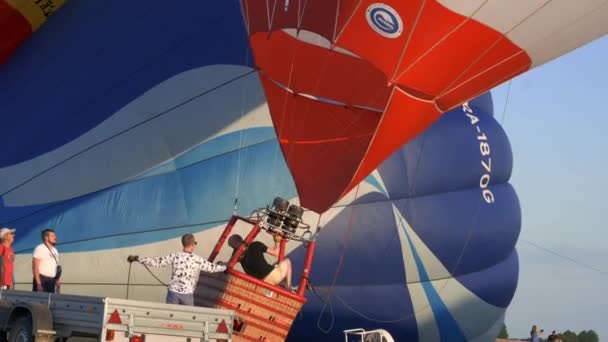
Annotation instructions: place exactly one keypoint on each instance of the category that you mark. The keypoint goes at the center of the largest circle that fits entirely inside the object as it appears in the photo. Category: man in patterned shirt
(186, 268)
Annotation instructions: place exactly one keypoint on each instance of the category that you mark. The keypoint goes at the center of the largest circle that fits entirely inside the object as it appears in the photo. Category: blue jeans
(180, 298)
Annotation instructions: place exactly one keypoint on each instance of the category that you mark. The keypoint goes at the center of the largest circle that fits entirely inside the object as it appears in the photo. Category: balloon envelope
(127, 125)
(421, 250)
(414, 60)
(338, 75)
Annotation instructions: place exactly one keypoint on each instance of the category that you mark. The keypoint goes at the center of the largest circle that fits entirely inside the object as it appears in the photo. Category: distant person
(45, 264)
(255, 265)
(7, 259)
(534, 335)
(552, 337)
(186, 268)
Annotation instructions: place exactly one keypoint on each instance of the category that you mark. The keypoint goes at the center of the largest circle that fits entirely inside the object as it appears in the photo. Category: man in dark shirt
(255, 265)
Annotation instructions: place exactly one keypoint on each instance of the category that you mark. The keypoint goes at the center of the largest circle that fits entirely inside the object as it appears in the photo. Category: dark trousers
(48, 284)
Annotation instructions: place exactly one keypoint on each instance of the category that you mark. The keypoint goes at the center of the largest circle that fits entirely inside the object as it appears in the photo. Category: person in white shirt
(186, 268)
(45, 264)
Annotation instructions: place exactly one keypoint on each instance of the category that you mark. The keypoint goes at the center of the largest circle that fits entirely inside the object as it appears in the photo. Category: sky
(556, 120)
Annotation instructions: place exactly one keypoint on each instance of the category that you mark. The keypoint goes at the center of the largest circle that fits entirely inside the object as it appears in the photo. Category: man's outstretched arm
(207, 266)
(153, 262)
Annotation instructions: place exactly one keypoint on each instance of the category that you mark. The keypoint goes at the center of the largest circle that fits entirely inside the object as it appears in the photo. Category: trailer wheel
(21, 330)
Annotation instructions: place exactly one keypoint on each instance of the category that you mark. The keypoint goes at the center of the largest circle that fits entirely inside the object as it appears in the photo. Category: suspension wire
(504, 110)
(147, 269)
(241, 138)
(153, 275)
(565, 257)
(139, 124)
(411, 192)
(327, 301)
(129, 279)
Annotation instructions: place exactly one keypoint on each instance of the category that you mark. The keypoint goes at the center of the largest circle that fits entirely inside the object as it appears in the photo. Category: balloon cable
(565, 257)
(149, 271)
(338, 267)
(504, 110)
(326, 302)
(240, 149)
(411, 193)
(153, 275)
(129, 279)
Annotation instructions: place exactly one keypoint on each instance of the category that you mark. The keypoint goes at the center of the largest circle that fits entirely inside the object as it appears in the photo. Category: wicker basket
(267, 312)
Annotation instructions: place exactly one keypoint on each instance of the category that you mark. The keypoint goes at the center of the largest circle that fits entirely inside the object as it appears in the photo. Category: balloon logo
(384, 20)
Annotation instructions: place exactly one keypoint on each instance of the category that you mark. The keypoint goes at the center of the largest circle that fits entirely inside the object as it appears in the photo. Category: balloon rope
(504, 110)
(338, 267)
(147, 269)
(155, 277)
(240, 149)
(129, 279)
(124, 131)
(412, 193)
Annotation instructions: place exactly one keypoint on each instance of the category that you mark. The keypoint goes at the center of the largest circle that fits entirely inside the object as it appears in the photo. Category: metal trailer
(43, 317)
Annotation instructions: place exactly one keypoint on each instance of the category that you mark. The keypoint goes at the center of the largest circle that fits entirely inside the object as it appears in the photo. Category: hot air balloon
(381, 59)
(336, 73)
(128, 124)
(19, 19)
(425, 249)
